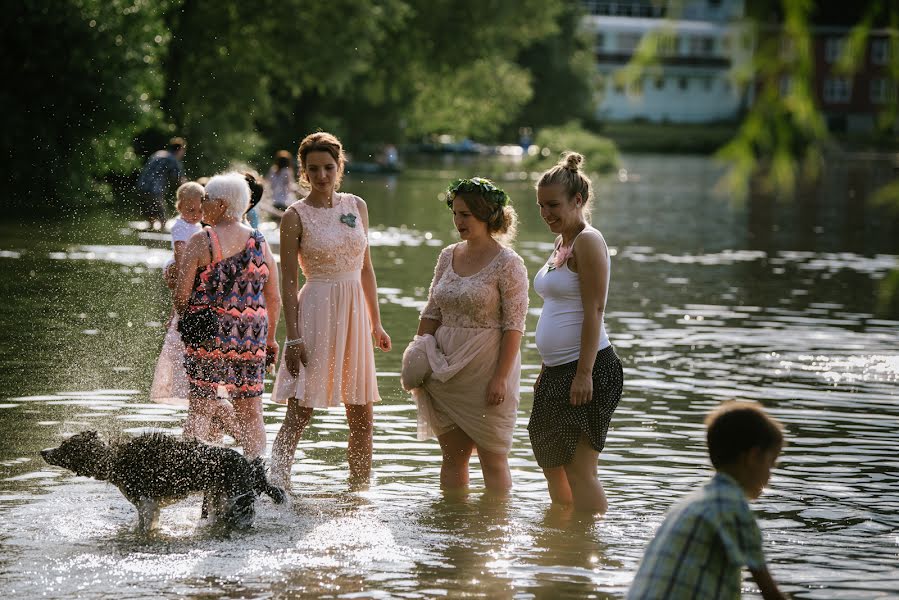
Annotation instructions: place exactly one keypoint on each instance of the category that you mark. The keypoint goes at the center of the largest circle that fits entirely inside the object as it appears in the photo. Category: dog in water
(154, 469)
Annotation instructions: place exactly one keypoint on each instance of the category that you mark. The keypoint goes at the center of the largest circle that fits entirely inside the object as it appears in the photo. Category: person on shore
(328, 356)
(581, 378)
(469, 338)
(164, 168)
(281, 181)
(169, 379)
(228, 304)
(707, 537)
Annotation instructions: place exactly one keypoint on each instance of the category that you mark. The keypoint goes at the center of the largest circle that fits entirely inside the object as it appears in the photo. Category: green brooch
(348, 219)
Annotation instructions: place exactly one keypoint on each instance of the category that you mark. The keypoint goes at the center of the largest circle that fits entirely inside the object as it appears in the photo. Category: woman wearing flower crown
(329, 357)
(581, 379)
(468, 339)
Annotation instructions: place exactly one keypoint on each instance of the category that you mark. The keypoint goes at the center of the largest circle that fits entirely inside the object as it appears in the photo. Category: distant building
(700, 43)
(851, 103)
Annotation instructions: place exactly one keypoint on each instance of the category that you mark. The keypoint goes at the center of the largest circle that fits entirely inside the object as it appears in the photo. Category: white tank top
(562, 318)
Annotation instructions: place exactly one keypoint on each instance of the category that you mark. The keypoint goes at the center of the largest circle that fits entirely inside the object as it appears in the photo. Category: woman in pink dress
(469, 335)
(329, 356)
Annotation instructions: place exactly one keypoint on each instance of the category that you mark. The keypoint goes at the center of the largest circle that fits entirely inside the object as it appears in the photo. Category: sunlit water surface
(710, 299)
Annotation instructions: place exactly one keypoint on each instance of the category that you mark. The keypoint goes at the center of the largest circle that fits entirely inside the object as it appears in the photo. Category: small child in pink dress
(170, 380)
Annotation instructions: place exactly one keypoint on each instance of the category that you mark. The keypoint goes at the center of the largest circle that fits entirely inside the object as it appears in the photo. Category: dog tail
(261, 484)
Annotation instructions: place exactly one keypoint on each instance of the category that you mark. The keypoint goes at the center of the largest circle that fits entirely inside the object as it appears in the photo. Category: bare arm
(196, 255)
(592, 267)
(767, 585)
(508, 353)
(513, 292)
(370, 287)
(291, 232)
(272, 296)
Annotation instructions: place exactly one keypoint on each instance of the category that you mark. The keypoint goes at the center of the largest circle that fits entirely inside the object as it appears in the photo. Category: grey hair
(233, 189)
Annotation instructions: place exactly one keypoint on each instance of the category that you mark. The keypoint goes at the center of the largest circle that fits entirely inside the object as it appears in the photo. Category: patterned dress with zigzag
(232, 363)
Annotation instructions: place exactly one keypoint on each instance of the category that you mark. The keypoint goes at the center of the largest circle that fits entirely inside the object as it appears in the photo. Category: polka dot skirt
(556, 425)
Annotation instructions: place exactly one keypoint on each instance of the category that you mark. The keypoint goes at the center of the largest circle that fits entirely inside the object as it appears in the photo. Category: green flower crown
(476, 185)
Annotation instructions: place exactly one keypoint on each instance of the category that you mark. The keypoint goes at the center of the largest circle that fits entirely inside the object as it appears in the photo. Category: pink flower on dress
(561, 256)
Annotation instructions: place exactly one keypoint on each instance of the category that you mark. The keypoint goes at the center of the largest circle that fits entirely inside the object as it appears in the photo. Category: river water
(786, 303)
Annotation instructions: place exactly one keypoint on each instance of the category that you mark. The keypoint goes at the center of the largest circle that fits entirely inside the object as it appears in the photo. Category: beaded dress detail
(333, 318)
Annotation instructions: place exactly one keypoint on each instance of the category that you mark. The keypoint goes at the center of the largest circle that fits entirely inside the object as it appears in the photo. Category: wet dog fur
(155, 469)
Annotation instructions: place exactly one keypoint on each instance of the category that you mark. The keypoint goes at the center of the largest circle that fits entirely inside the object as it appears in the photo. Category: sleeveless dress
(555, 426)
(473, 311)
(333, 319)
(232, 364)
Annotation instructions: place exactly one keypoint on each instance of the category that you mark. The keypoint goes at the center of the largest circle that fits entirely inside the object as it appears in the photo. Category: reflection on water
(710, 299)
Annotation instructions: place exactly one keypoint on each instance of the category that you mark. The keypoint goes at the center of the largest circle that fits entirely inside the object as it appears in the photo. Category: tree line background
(94, 86)
(98, 84)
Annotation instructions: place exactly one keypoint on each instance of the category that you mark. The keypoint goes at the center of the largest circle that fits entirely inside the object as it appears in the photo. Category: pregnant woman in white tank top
(581, 378)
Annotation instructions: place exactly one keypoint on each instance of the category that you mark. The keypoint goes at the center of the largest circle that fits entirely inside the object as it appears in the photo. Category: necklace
(328, 203)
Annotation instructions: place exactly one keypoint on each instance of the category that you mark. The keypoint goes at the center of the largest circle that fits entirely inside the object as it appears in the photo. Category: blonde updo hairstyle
(500, 217)
(321, 141)
(568, 173)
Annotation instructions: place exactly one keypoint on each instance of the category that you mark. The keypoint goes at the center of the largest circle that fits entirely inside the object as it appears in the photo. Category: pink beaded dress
(333, 319)
(473, 311)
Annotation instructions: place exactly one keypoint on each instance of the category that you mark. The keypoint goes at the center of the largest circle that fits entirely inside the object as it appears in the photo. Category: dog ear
(92, 434)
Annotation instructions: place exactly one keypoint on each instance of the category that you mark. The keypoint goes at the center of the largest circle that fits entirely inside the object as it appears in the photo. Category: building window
(880, 51)
(882, 91)
(667, 45)
(628, 42)
(683, 83)
(837, 90)
(660, 83)
(701, 45)
(600, 42)
(833, 49)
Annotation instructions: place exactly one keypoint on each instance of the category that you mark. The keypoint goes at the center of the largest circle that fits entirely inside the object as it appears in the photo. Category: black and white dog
(154, 469)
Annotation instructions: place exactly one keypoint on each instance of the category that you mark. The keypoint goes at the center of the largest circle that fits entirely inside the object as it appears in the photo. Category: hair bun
(571, 161)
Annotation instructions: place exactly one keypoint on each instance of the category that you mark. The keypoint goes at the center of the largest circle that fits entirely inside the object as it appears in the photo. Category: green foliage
(563, 70)
(84, 75)
(600, 154)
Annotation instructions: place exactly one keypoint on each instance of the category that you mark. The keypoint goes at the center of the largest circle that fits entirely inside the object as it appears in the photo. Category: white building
(701, 46)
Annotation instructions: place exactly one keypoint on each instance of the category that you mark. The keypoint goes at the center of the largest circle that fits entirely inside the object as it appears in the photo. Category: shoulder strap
(215, 248)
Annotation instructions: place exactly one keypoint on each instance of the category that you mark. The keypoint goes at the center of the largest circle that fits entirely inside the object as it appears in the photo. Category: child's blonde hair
(191, 189)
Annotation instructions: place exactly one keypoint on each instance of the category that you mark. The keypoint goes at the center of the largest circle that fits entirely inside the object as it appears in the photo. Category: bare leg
(457, 448)
(586, 489)
(559, 489)
(200, 414)
(495, 467)
(250, 426)
(285, 446)
(360, 418)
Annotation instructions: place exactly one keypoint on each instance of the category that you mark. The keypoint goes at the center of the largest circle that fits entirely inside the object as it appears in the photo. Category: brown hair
(282, 159)
(573, 180)
(736, 427)
(502, 221)
(321, 141)
(176, 143)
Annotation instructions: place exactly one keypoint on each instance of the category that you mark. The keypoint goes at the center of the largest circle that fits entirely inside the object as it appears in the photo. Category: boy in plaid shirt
(707, 537)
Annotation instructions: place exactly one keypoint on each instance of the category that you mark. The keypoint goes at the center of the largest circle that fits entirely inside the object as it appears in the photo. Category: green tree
(84, 74)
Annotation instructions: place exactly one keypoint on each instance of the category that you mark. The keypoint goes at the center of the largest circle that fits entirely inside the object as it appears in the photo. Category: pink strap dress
(333, 318)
